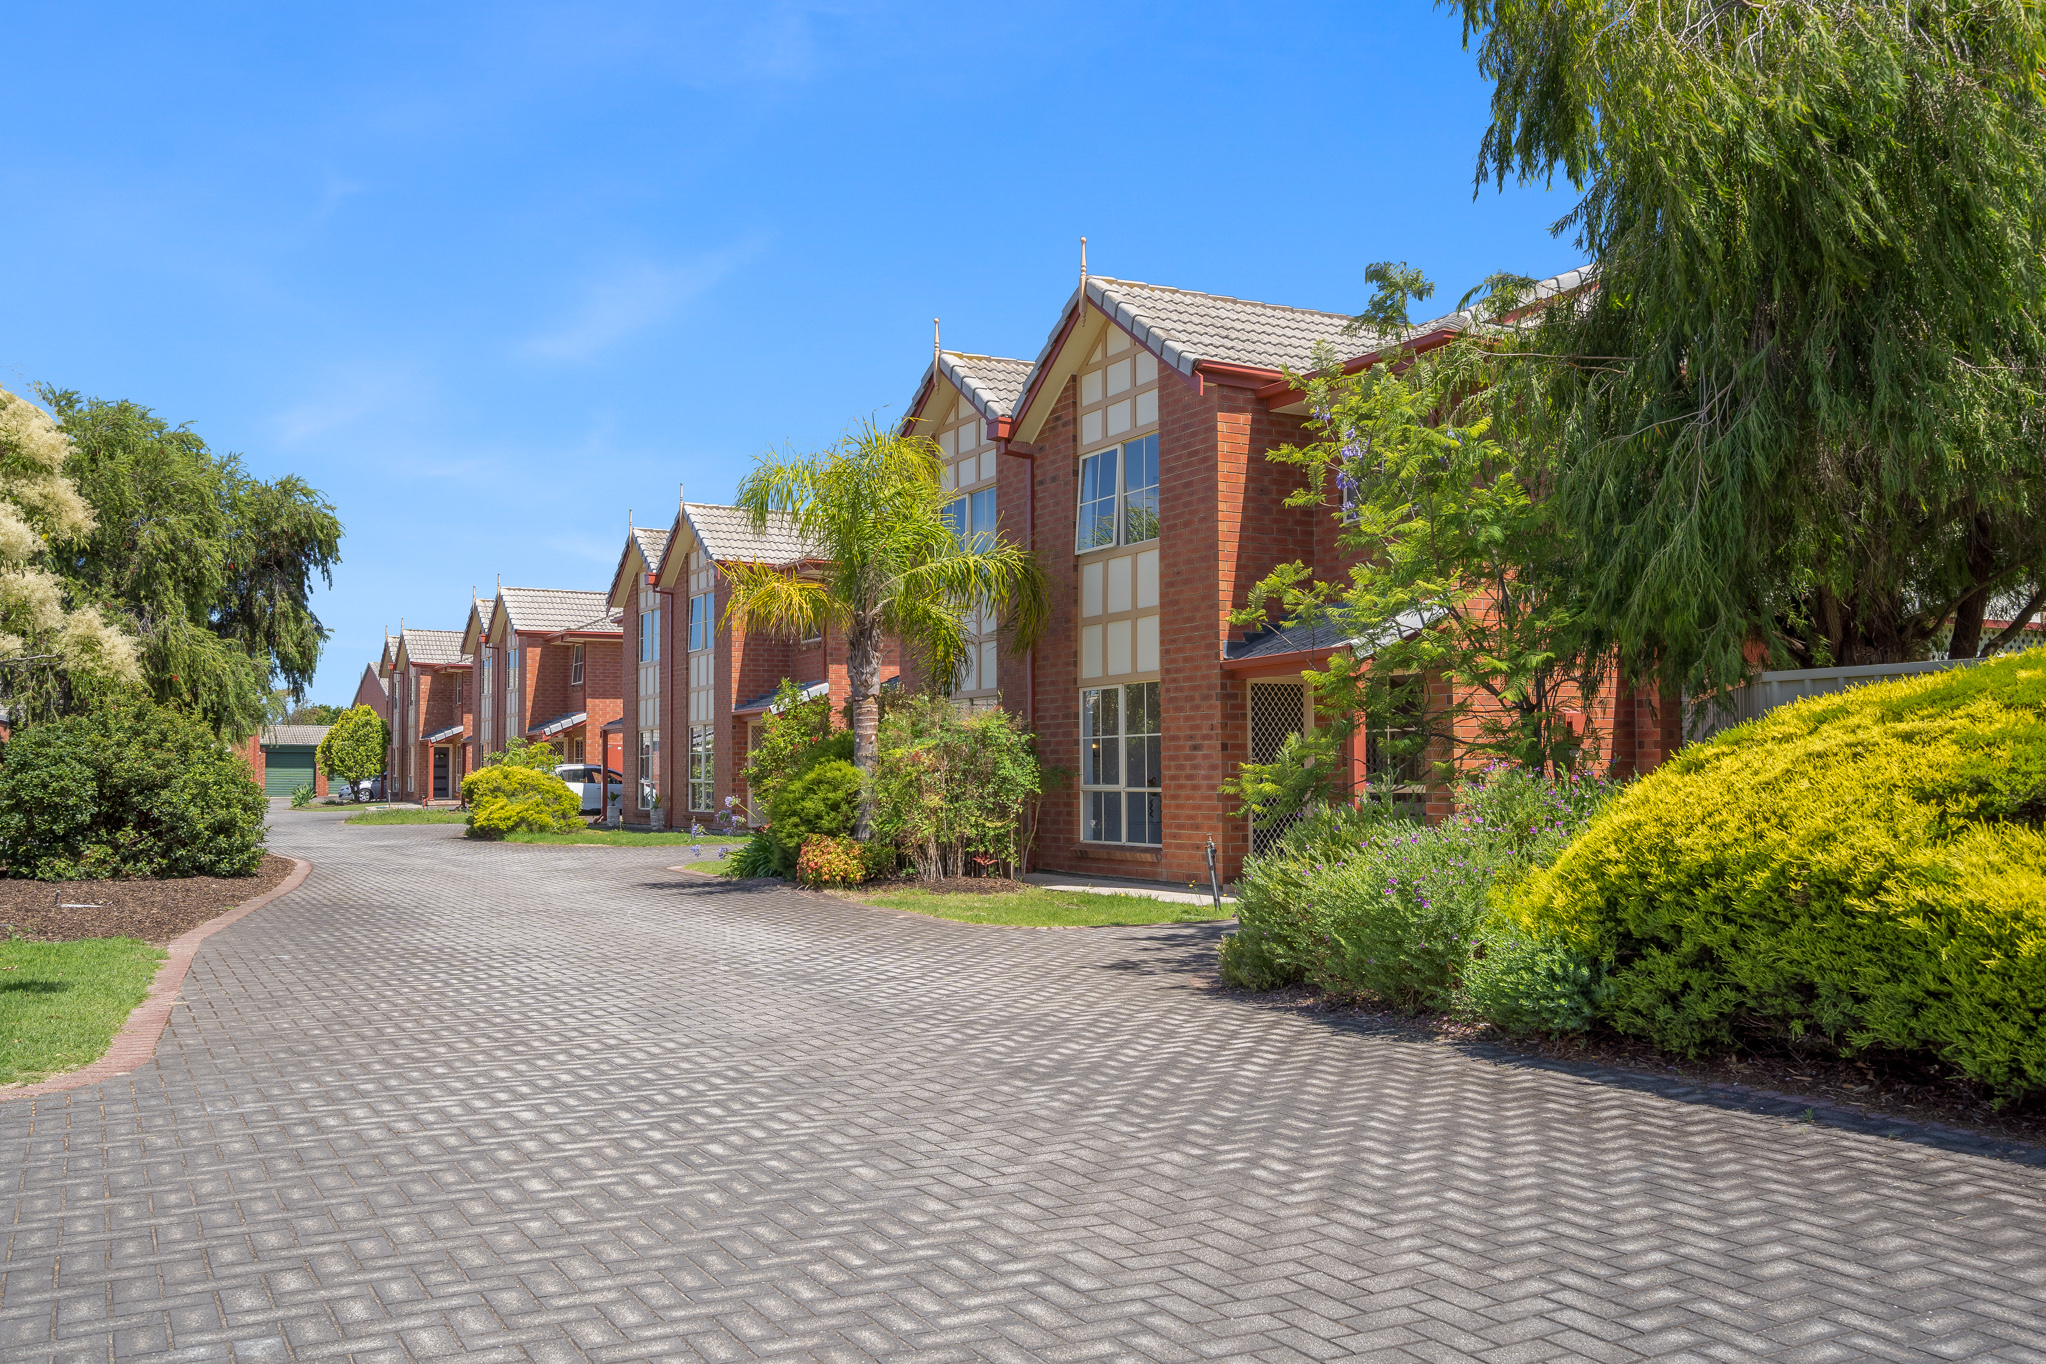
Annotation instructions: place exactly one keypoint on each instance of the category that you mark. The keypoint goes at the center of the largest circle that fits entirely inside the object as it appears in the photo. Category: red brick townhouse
(961, 402)
(374, 688)
(1133, 463)
(429, 678)
(547, 669)
(700, 682)
(483, 677)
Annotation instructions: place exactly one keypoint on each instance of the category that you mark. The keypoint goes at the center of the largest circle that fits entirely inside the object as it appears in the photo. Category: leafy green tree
(523, 752)
(885, 563)
(1801, 406)
(212, 569)
(54, 653)
(356, 746)
(953, 788)
(1459, 570)
(791, 740)
(314, 714)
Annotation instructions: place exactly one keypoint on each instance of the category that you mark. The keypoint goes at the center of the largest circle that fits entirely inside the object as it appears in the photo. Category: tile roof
(306, 735)
(547, 609)
(651, 543)
(440, 734)
(1184, 327)
(727, 534)
(811, 691)
(434, 646)
(1333, 630)
(992, 383)
(559, 723)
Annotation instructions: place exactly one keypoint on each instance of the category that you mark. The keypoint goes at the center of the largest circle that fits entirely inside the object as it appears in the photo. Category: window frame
(1112, 808)
(702, 609)
(1117, 500)
(702, 767)
(575, 665)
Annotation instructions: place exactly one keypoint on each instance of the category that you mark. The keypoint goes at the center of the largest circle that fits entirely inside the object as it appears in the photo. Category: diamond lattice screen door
(1277, 709)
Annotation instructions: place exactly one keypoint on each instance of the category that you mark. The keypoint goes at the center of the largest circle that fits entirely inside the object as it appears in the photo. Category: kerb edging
(135, 1044)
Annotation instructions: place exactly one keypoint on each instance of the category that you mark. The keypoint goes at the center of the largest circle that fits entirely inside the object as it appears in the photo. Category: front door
(440, 774)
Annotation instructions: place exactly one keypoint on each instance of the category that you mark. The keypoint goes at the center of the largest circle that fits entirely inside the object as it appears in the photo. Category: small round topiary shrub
(1868, 867)
(134, 790)
(507, 799)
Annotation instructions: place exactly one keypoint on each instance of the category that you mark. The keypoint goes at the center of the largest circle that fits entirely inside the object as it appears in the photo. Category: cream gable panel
(1090, 651)
(1090, 589)
(1147, 644)
(1147, 579)
(1118, 584)
(1118, 648)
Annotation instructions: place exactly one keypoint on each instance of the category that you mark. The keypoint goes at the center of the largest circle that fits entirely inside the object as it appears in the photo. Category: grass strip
(1040, 908)
(62, 1002)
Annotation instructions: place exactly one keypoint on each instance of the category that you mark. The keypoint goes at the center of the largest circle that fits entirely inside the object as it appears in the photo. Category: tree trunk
(1968, 615)
(863, 670)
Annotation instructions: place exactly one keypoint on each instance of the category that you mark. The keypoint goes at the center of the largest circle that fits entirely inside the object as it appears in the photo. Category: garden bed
(149, 910)
(1871, 1084)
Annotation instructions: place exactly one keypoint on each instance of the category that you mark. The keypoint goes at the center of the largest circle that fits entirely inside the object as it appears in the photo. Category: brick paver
(554, 1104)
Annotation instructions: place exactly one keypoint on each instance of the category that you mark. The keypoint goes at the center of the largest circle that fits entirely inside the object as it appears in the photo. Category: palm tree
(886, 561)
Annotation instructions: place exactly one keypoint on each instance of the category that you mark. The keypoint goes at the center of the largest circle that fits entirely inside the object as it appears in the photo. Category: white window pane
(987, 663)
(1147, 644)
(1147, 367)
(1090, 651)
(945, 477)
(1118, 340)
(1119, 377)
(1118, 417)
(987, 464)
(1090, 589)
(1147, 408)
(1118, 648)
(1147, 579)
(1090, 427)
(1119, 584)
(947, 443)
(1090, 387)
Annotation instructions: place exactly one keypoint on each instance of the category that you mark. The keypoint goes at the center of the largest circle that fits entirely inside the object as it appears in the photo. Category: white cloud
(631, 299)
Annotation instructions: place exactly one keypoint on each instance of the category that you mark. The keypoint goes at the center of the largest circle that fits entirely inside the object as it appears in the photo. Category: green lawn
(667, 838)
(408, 817)
(1038, 908)
(62, 1002)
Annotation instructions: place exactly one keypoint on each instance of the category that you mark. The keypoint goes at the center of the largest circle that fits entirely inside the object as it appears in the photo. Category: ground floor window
(1121, 760)
(576, 752)
(649, 767)
(702, 767)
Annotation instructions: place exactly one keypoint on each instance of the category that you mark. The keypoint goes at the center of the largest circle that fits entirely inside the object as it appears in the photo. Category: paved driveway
(553, 1104)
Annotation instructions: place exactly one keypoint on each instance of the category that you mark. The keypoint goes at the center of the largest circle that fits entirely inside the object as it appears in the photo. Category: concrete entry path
(554, 1104)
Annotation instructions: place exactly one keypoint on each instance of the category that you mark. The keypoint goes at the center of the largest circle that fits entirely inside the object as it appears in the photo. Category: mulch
(1871, 1083)
(154, 911)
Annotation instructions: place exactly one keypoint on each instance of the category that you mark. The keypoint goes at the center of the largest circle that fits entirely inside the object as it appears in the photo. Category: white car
(582, 779)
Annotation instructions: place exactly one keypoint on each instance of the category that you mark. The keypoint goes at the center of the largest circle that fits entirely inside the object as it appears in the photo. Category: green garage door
(286, 769)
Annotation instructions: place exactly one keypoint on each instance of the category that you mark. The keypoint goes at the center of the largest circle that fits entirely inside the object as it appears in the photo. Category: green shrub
(881, 859)
(757, 856)
(521, 752)
(1271, 947)
(1363, 902)
(795, 737)
(830, 860)
(824, 800)
(951, 787)
(1525, 983)
(509, 798)
(134, 790)
(1866, 867)
(302, 795)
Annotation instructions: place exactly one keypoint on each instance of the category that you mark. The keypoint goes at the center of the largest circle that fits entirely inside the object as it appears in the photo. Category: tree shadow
(35, 987)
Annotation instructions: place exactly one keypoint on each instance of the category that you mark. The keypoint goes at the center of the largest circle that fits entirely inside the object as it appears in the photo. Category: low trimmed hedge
(1868, 867)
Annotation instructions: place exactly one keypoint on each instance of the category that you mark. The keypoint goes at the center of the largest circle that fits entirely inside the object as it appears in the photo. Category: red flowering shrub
(830, 860)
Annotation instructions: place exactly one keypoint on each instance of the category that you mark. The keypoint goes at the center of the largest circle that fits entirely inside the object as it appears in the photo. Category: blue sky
(490, 276)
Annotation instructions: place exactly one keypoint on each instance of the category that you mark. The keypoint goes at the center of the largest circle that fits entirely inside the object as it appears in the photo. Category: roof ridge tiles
(1219, 298)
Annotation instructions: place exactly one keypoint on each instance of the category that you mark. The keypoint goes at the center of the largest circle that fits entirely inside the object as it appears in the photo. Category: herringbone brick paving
(533, 1103)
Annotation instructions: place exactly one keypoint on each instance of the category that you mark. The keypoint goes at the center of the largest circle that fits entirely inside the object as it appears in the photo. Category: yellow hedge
(1867, 865)
(505, 798)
